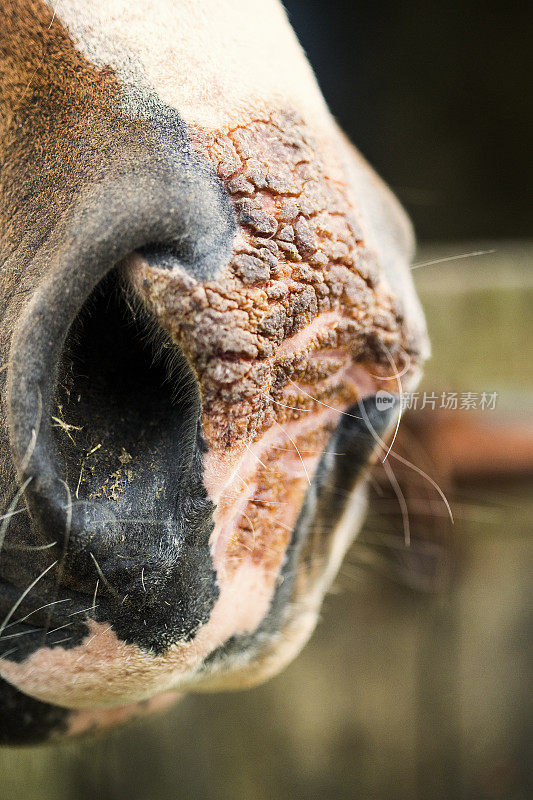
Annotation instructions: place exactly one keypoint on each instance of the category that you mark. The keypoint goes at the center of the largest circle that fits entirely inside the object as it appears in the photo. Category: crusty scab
(300, 325)
(299, 264)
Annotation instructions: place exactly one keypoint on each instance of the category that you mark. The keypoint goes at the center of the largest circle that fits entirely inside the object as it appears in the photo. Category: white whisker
(407, 463)
(400, 392)
(283, 405)
(11, 511)
(21, 633)
(34, 434)
(296, 448)
(255, 456)
(473, 254)
(338, 410)
(401, 501)
(35, 610)
(23, 595)
(31, 547)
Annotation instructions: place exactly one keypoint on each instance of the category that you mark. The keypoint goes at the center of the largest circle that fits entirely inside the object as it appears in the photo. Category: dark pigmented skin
(26, 721)
(34, 356)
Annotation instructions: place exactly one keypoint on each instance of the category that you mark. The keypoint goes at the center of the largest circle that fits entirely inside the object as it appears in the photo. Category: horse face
(203, 289)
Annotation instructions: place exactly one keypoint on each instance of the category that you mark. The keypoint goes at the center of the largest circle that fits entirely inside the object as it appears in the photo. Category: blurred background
(417, 683)
(438, 97)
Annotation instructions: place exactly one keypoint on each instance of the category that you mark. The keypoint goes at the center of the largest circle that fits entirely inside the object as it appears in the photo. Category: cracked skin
(298, 326)
(299, 263)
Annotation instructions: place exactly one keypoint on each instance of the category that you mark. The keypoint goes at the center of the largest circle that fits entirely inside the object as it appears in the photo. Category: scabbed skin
(180, 527)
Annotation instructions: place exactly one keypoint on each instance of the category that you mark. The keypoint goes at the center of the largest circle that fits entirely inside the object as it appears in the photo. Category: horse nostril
(119, 464)
(125, 416)
(104, 434)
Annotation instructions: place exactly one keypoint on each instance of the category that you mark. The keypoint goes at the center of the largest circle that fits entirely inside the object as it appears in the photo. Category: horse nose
(102, 409)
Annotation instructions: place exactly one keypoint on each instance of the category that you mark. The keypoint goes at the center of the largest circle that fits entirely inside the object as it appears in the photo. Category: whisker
(407, 463)
(228, 489)
(428, 478)
(400, 392)
(401, 500)
(283, 405)
(31, 547)
(254, 455)
(20, 633)
(103, 577)
(10, 514)
(23, 595)
(34, 434)
(11, 511)
(396, 374)
(89, 641)
(283, 525)
(60, 628)
(10, 652)
(239, 543)
(339, 411)
(246, 485)
(312, 453)
(473, 254)
(83, 610)
(296, 448)
(35, 610)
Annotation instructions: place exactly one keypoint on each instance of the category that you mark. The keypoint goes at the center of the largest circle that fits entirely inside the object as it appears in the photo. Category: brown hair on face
(58, 115)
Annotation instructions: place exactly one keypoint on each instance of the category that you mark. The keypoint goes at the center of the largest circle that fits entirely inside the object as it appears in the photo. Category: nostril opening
(125, 430)
(123, 390)
(115, 480)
